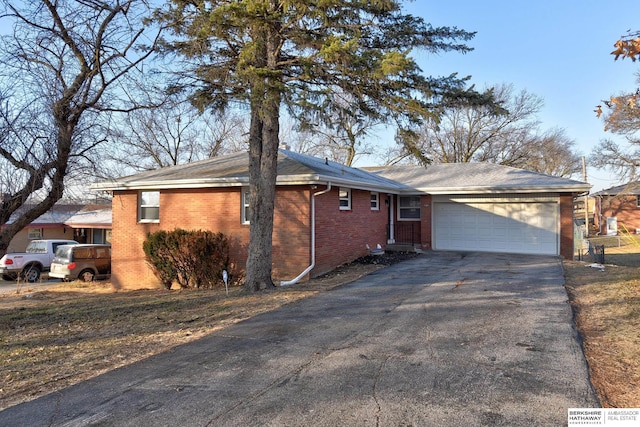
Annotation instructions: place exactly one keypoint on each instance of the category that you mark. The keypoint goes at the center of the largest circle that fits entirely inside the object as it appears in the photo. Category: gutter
(313, 238)
(300, 179)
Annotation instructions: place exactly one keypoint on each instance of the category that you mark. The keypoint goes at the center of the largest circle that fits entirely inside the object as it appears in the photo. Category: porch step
(399, 247)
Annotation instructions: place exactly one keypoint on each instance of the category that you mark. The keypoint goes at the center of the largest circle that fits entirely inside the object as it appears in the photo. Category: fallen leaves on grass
(607, 308)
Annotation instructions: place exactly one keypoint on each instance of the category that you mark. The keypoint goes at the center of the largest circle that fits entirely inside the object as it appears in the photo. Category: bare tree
(622, 160)
(65, 68)
(552, 153)
(341, 131)
(466, 134)
(509, 135)
(622, 117)
(173, 133)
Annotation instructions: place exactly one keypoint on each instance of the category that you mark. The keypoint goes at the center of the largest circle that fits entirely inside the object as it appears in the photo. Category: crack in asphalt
(283, 379)
(375, 389)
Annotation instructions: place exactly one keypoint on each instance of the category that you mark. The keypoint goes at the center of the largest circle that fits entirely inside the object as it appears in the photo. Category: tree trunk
(262, 161)
(263, 158)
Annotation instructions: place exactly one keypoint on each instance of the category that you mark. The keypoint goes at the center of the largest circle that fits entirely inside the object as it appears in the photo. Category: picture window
(409, 207)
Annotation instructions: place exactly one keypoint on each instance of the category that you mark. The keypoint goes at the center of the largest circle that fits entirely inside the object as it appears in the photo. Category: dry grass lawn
(607, 311)
(55, 338)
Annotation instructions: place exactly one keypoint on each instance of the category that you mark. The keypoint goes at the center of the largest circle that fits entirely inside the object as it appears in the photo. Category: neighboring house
(83, 223)
(617, 209)
(584, 208)
(328, 214)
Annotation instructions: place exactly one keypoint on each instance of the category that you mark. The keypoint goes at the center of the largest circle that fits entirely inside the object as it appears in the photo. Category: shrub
(158, 252)
(193, 259)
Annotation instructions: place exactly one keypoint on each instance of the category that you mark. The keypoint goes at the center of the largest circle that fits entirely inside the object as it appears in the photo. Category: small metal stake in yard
(225, 278)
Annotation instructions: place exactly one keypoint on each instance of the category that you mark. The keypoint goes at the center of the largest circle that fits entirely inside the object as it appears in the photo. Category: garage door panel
(519, 227)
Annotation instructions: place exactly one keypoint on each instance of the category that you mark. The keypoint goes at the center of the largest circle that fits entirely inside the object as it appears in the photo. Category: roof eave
(355, 184)
(310, 179)
(166, 184)
(504, 189)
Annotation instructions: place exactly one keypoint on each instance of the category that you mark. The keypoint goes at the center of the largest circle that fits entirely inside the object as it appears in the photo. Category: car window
(37, 248)
(82, 253)
(55, 246)
(63, 252)
(102, 252)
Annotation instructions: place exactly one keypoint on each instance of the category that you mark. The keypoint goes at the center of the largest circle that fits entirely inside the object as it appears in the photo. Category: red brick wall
(128, 268)
(342, 235)
(208, 209)
(425, 222)
(291, 232)
(566, 226)
(626, 211)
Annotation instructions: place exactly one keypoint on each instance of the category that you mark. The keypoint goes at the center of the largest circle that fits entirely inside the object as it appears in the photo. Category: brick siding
(566, 226)
(208, 209)
(342, 235)
(626, 211)
(425, 222)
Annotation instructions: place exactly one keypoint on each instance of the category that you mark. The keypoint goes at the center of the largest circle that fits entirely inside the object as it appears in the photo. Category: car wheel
(86, 275)
(31, 274)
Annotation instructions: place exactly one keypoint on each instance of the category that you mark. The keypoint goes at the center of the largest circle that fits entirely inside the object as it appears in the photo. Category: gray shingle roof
(74, 215)
(470, 178)
(297, 169)
(631, 189)
(233, 170)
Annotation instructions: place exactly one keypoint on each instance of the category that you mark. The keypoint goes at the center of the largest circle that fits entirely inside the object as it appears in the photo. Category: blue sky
(558, 50)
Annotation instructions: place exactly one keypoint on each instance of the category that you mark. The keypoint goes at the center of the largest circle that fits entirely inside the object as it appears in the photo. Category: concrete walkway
(446, 339)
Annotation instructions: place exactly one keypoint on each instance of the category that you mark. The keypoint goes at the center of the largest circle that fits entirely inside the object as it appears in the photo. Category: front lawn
(607, 313)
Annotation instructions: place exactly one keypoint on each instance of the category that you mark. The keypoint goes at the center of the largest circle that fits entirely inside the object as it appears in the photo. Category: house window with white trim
(149, 209)
(409, 207)
(345, 199)
(245, 206)
(375, 201)
(35, 233)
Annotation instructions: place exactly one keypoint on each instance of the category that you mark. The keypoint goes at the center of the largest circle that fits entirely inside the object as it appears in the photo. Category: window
(345, 199)
(409, 207)
(245, 206)
(638, 201)
(375, 201)
(35, 233)
(149, 206)
(98, 235)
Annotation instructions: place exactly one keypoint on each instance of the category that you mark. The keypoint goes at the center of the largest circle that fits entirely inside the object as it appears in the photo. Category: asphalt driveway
(445, 339)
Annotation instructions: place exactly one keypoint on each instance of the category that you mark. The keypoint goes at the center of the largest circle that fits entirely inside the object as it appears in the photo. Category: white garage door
(515, 225)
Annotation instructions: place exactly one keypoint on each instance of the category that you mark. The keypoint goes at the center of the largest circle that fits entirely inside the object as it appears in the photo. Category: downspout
(392, 215)
(600, 216)
(313, 238)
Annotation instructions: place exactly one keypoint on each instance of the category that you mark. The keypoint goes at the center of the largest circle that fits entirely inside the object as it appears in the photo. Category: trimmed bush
(193, 259)
(158, 252)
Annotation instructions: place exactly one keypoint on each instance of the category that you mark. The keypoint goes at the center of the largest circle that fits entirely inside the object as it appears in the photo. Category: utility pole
(586, 199)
